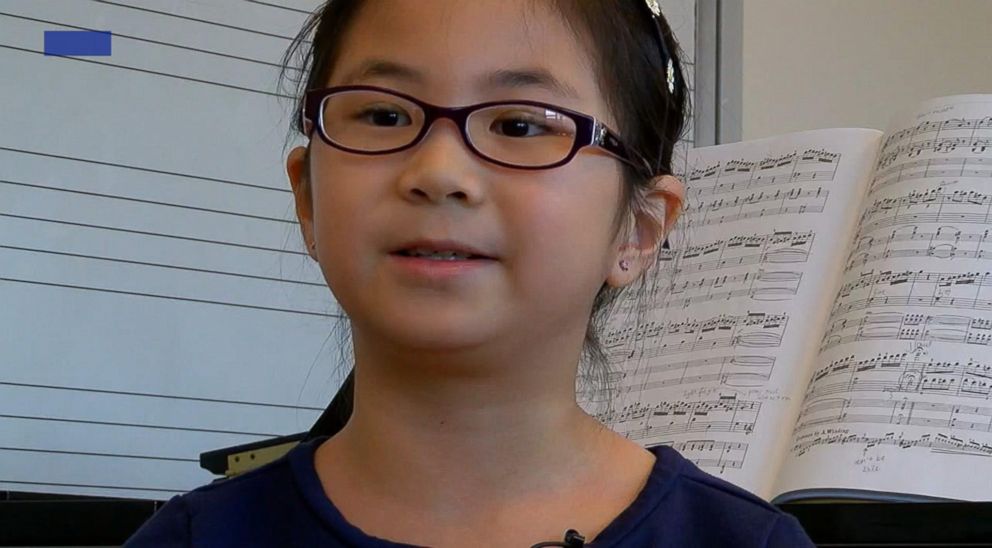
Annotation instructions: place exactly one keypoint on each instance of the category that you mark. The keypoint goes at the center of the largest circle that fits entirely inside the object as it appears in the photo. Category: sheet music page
(717, 362)
(900, 397)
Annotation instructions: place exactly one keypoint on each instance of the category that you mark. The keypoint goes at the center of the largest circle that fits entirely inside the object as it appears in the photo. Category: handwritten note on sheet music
(731, 324)
(155, 302)
(900, 399)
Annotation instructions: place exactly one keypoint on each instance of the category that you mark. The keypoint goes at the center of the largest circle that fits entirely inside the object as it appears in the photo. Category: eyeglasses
(518, 134)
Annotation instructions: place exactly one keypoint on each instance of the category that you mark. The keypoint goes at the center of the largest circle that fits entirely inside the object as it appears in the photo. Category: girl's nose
(441, 166)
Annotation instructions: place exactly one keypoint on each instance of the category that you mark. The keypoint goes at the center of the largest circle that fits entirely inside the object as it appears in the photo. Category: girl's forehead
(469, 49)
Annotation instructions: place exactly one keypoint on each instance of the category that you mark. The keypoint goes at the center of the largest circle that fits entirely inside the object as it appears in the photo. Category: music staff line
(906, 219)
(756, 172)
(747, 340)
(944, 145)
(759, 213)
(960, 204)
(936, 127)
(774, 285)
(941, 443)
(908, 327)
(961, 303)
(901, 373)
(912, 170)
(773, 248)
(861, 254)
(928, 198)
(732, 454)
(756, 330)
(941, 234)
(868, 280)
(818, 194)
(942, 286)
(721, 322)
(728, 370)
(899, 412)
(727, 415)
(932, 251)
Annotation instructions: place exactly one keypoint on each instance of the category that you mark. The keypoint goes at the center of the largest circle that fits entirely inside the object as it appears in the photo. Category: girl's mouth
(439, 255)
(439, 266)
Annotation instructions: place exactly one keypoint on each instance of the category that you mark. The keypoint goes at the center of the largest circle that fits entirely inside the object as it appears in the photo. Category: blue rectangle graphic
(77, 42)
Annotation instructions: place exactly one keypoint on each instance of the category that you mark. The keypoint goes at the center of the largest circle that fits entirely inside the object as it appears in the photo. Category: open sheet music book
(826, 331)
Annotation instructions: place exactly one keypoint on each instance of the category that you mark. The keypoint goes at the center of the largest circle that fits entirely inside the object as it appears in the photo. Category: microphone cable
(572, 540)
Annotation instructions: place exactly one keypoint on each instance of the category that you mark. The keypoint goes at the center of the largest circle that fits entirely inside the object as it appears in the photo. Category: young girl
(481, 179)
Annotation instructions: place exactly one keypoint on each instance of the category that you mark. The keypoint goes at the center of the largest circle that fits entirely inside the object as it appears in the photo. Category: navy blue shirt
(282, 503)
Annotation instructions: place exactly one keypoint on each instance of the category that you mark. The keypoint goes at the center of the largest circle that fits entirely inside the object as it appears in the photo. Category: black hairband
(655, 9)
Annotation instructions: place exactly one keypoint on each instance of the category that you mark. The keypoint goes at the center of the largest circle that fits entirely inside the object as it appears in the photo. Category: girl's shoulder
(264, 503)
(283, 502)
(707, 510)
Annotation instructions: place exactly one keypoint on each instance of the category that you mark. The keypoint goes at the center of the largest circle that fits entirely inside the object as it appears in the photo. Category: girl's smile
(440, 266)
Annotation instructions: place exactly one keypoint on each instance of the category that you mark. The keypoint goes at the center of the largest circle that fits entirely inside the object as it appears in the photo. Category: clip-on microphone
(572, 540)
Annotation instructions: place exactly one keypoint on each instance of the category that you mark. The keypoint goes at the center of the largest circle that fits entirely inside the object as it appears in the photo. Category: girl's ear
(296, 168)
(638, 249)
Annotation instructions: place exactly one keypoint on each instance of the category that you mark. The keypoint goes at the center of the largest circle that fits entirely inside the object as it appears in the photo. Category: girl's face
(550, 229)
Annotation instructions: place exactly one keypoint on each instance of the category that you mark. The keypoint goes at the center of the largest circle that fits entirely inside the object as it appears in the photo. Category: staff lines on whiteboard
(287, 8)
(155, 72)
(95, 454)
(147, 233)
(194, 19)
(169, 75)
(151, 202)
(172, 297)
(147, 169)
(151, 41)
(160, 396)
(162, 265)
(91, 486)
(264, 435)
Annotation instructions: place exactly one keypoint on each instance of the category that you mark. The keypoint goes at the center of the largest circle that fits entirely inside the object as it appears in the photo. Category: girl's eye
(384, 116)
(519, 127)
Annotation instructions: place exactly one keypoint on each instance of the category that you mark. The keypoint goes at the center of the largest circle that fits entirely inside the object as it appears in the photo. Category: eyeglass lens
(523, 135)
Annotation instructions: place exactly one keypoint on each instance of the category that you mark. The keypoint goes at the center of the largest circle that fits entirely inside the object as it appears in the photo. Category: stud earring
(624, 265)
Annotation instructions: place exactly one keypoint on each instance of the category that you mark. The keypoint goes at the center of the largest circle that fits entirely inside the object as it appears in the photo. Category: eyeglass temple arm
(604, 138)
(306, 126)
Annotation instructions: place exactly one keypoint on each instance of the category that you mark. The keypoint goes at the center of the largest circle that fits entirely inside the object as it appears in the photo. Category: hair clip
(670, 76)
(655, 8)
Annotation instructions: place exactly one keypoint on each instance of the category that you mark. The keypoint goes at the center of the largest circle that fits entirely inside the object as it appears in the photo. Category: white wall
(853, 63)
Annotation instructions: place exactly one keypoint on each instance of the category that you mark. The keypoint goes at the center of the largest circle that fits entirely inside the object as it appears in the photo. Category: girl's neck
(463, 432)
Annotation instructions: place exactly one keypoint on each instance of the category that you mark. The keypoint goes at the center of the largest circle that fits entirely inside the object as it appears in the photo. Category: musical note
(936, 126)
(759, 204)
(764, 285)
(927, 206)
(740, 174)
(746, 250)
(712, 453)
(756, 329)
(951, 166)
(941, 443)
(902, 373)
(726, 414)
(951, 144)
(727, 370)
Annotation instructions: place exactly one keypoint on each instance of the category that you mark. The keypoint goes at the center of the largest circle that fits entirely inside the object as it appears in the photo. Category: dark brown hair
(622, 39)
